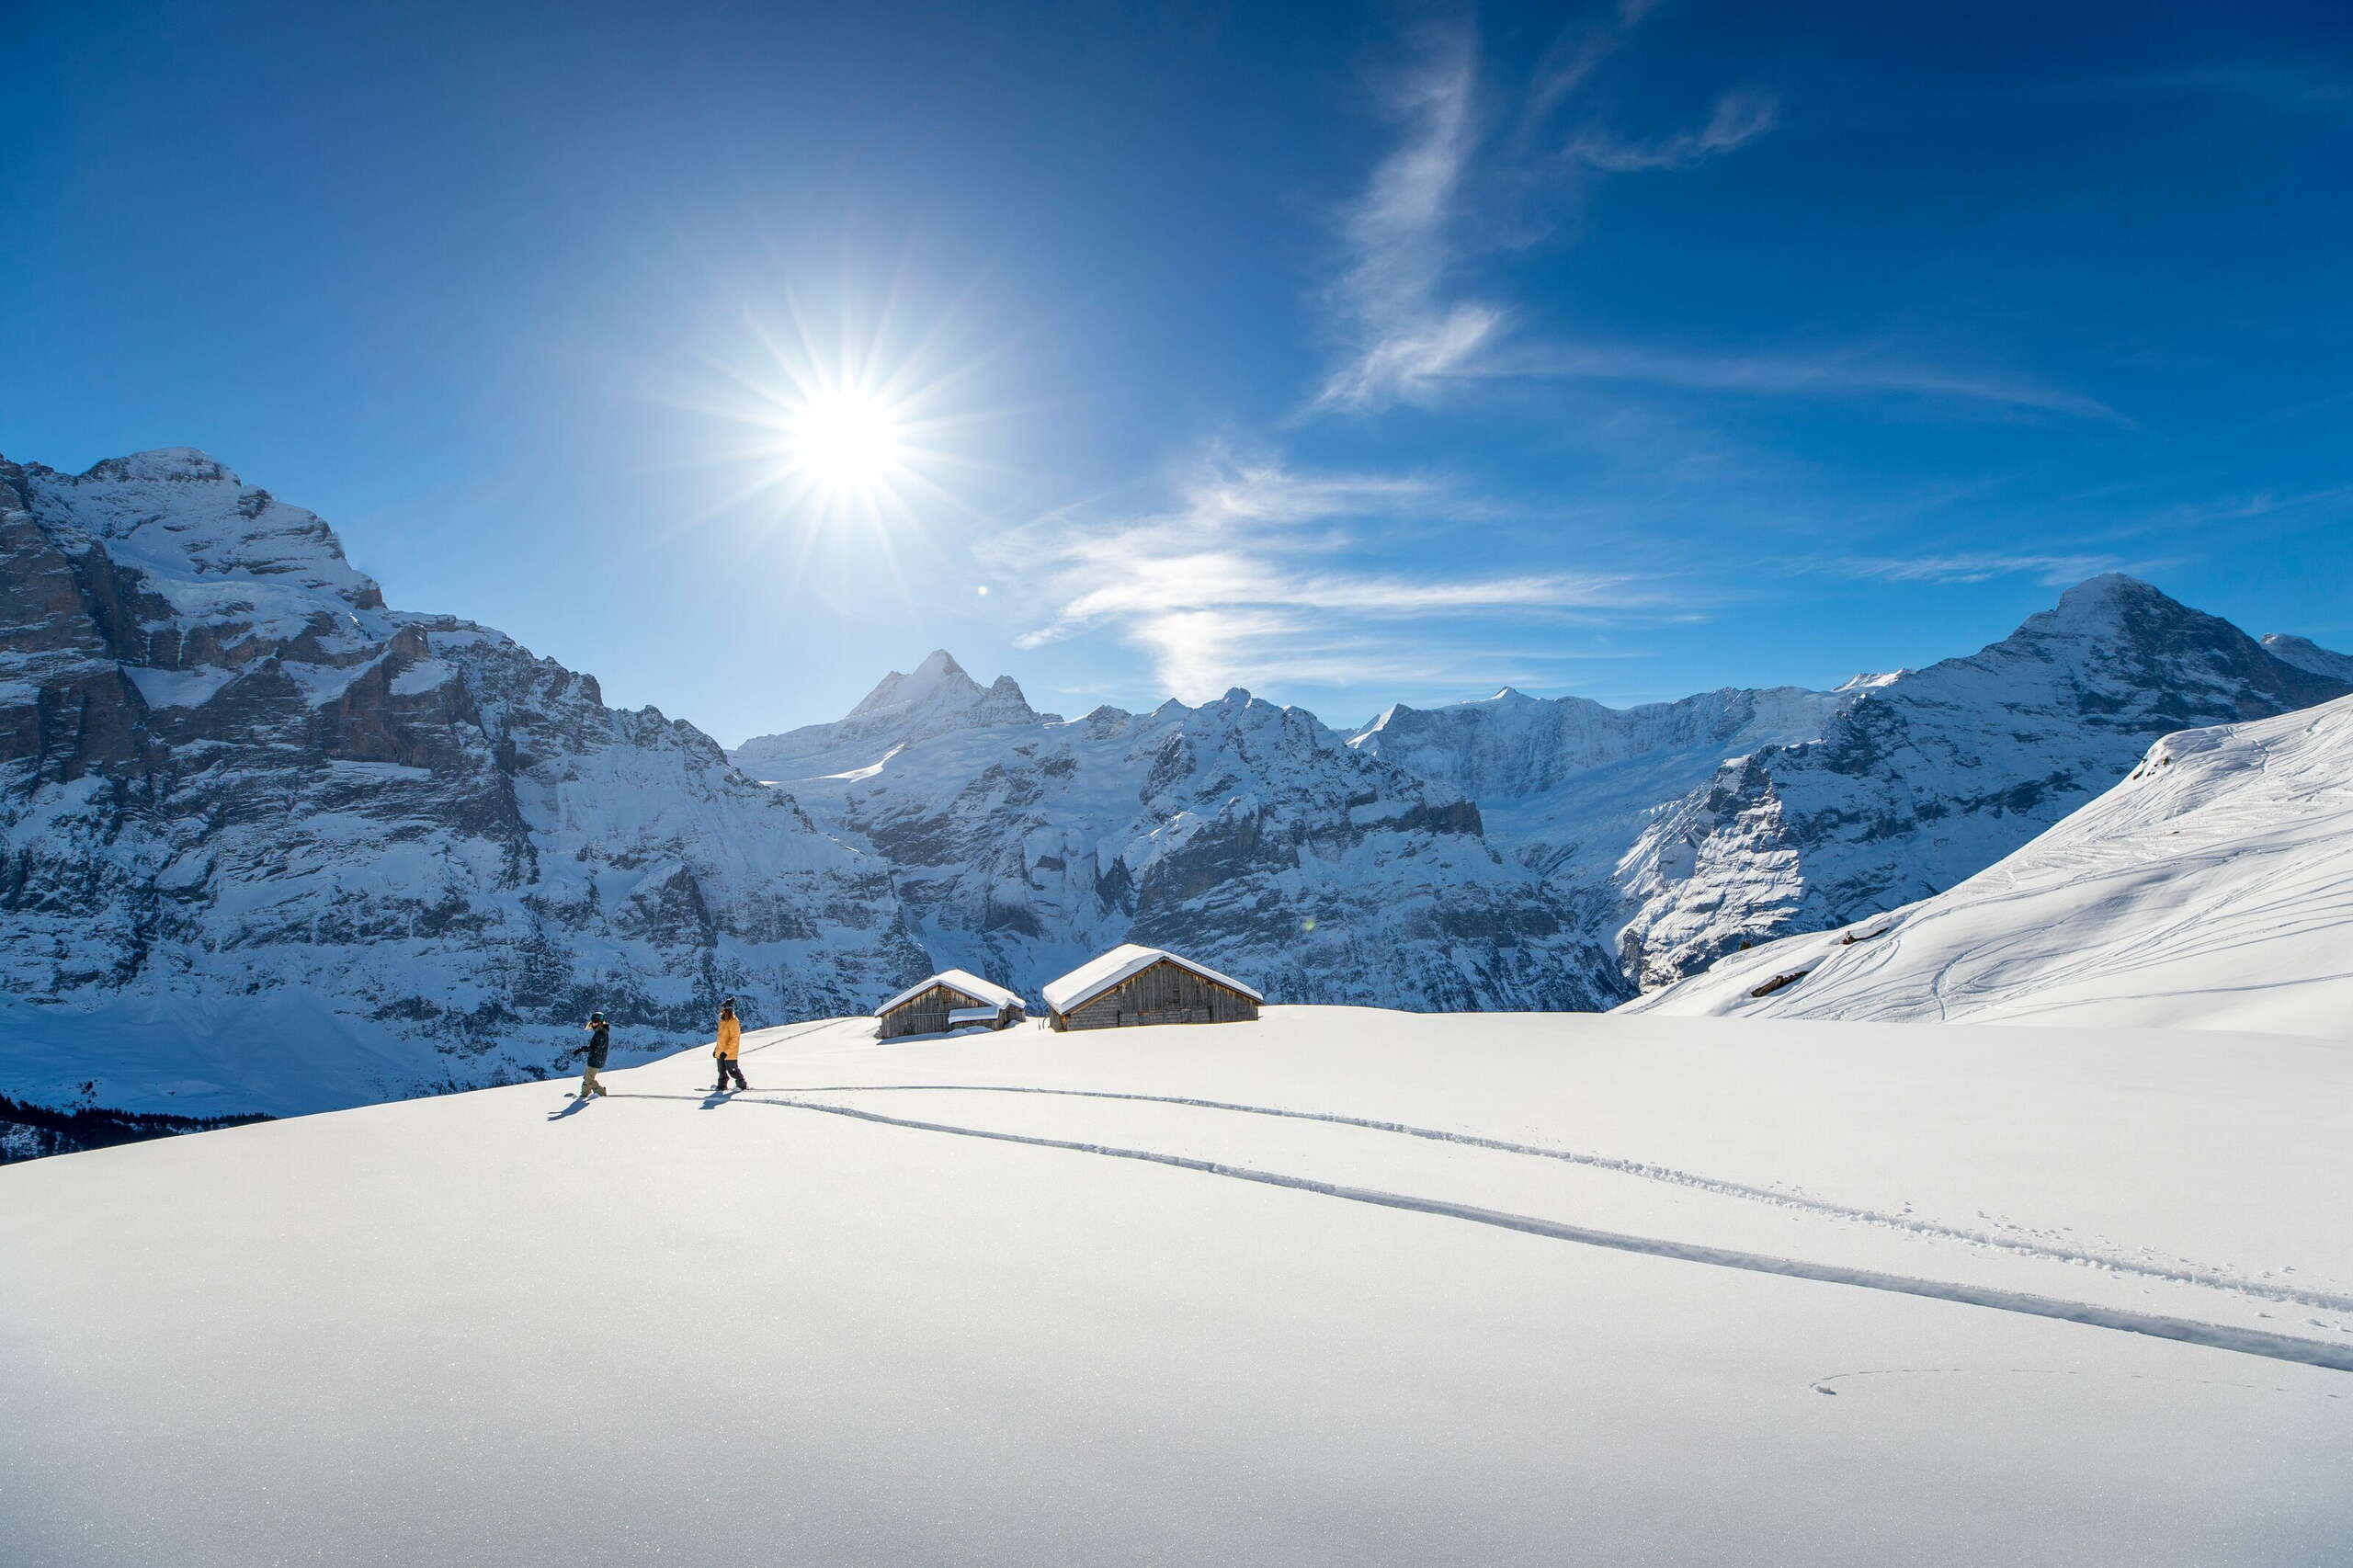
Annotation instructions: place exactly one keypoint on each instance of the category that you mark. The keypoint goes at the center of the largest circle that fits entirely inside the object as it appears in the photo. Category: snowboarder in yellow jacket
(729, 1047)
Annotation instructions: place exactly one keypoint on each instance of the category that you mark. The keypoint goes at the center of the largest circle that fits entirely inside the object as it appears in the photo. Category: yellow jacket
(731, 1038)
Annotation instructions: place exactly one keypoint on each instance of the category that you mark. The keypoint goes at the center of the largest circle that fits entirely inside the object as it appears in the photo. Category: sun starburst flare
(846, 441)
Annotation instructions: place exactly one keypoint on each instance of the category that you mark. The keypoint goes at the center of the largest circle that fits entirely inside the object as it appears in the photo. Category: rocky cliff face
(1240, 833)
(271, 846)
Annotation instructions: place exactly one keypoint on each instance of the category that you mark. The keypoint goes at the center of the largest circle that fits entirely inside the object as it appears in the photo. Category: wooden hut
(1134, 984)
(951, 999)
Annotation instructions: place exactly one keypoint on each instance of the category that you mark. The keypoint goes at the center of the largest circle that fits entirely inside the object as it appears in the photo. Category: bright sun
(848, 441)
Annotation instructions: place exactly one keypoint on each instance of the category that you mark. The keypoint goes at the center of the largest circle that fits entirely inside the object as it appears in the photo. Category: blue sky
(1349, 353)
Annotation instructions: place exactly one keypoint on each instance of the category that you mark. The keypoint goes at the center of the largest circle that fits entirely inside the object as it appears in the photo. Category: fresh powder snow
(1346, 1287)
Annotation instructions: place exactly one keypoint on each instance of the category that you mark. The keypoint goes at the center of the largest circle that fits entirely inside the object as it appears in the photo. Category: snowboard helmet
(595, 1017)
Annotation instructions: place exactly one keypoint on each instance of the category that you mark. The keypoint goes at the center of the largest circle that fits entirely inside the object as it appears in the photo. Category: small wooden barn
(1135, 984)
(952, 999)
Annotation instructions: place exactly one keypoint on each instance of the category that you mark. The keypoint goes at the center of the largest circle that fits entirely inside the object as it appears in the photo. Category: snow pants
(588, 1084)
(728, 1067)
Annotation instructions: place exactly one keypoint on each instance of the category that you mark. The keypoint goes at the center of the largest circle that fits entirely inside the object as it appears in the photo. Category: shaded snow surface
(2212, 889)
(506, 1327)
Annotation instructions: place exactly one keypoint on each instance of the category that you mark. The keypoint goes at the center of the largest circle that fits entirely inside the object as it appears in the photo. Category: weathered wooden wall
(924, 1013)
(1164, 994)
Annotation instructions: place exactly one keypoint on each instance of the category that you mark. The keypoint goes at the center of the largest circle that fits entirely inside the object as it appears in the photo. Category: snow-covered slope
(273, 846)
(1342, 1288)
(937, 699)
(1240, 833)
(2213, 889)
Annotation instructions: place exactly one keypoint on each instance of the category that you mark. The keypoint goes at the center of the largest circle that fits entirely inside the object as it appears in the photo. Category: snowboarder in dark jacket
(600, 1042)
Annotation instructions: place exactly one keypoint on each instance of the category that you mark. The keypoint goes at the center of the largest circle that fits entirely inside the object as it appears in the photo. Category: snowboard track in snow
(2178, 1273)
(2187, 1331)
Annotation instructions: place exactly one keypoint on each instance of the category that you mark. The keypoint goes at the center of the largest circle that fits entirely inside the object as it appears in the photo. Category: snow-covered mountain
(1929, 777)
(2306, 655)
(271, 846)
(1242, 834)
(2212, 888)
(1482, 854)
(937, 699)
(1681, 831)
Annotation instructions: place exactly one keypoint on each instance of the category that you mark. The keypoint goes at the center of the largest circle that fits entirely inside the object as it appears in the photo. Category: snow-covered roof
(971, 984)
(1095, 976)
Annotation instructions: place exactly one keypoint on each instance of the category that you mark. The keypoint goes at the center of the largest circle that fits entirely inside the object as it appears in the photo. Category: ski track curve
(2186, 1331)
(2183, 1275)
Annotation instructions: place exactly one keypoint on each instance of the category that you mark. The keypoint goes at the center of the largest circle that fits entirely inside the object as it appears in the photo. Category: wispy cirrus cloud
(1411, 328)
(1738, 119)
(1407, 328)
(1250, 575)
(1824, 374)
(2054, 571)
(1402, 335)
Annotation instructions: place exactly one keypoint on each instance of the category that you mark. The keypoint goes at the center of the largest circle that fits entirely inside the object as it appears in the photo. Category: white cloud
(1401, 337)
(2056, 571)
(1246, 578)
(1822, 374)
(1739, 119)
(1409, 333)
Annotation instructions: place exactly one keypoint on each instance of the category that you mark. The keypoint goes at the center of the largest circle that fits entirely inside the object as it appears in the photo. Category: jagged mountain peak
(2112, 603)
(938, 697)
(2121, 609)
(938, 677)
(220, 551)
(180, 464)
(2108, 587)
(1868, 679)
(2124, 649)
